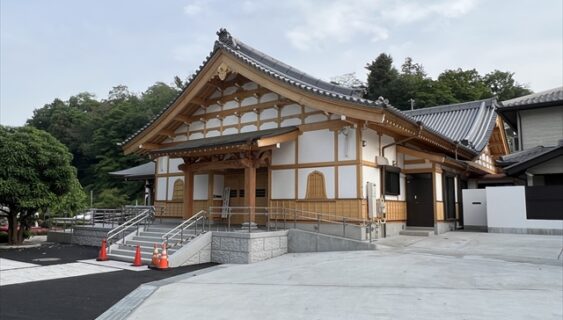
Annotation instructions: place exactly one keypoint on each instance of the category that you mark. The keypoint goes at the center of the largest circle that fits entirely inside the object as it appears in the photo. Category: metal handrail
(144, 216)
(179, 229)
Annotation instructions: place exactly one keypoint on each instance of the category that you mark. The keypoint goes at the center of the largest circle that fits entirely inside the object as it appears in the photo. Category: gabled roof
(518, 162)
(469, 123)
(272, 68)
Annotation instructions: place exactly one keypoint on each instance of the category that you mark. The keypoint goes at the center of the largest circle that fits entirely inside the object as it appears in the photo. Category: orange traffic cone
(137, 261)
(163, 262)
(103, 256)
(155, 257)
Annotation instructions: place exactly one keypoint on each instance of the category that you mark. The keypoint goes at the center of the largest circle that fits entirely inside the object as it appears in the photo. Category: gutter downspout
(382, 175)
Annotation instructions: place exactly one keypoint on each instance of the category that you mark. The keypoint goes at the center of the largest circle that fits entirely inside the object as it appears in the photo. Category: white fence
(504, 210)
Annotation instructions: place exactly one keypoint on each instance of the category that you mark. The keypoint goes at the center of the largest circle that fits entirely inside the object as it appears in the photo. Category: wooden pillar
(250, 190)
(188, 192)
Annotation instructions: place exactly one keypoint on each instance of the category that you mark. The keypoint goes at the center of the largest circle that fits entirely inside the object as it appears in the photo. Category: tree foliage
(93, 129)
(36, 174)
(451, 86)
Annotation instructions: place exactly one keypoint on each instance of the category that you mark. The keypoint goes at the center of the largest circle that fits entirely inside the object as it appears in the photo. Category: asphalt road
(83, 297)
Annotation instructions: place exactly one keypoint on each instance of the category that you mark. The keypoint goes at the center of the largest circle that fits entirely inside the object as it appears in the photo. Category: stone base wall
(392, 229)
(243, 247)
(89, 236)
(551, 232)
(59, 237)
(443, 227)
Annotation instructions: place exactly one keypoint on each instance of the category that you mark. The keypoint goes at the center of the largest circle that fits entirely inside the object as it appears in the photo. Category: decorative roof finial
(226, 38)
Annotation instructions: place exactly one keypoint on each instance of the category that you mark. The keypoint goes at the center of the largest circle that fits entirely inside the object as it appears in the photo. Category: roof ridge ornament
(226, 38)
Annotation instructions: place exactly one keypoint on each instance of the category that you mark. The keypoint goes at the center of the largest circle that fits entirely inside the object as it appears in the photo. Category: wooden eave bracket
(264, 142)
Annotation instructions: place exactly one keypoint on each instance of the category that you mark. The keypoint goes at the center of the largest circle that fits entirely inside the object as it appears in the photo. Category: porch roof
(242, 139)
(518, 162)
(140, 172)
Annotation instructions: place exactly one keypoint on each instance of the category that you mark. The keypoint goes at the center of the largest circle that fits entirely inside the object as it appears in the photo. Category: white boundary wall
(506, 212)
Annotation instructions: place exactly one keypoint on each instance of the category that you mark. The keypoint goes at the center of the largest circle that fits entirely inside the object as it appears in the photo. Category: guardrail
(185, 230)
(98, 217)
(277, 218)
(144, 218)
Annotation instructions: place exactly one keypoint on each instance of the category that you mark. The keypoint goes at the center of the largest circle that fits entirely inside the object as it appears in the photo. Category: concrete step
(417, 232)
(144, 248)
(131, 253)
(119, 257)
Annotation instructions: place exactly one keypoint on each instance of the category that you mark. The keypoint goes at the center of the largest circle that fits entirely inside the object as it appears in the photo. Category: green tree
(465, 85)
(381, 75)
(503, 85)
(36, 172)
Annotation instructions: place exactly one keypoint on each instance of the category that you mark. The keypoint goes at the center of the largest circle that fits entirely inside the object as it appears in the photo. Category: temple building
(250, 131)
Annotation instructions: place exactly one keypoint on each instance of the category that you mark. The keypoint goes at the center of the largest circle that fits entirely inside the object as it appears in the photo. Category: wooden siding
(396, 210)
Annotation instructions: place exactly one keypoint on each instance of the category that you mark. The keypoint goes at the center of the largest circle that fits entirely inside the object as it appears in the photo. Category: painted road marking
(7, 264)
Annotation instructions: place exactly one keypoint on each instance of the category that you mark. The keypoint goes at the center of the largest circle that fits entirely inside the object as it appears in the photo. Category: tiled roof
(470, 123)
(226, 140)
(138, 172)
(282, 72)
(554, 96)
(518, 162)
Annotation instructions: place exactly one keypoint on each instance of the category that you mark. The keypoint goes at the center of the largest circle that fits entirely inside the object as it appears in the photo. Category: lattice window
(178, 193)
(316, 186)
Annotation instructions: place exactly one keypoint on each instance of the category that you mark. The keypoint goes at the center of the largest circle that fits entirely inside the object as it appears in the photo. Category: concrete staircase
(417, 231)
(146, 240)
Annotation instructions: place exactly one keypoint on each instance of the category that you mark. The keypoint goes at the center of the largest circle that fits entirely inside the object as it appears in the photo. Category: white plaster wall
(174, 163)
(249, 117)
(230, 90)
(328, 173)
(475, 207)
(285, 154)
(248, 101)
(419, 166)
(390, 152)
(218, 185)
(197, 135)
(230, 131)
(270, 96)
(162, 164)
(248, 128)
(213, 123)
(160, 189)
(438, 191)
(291, 122)
(372, 145)
(171, 181)
(181, 129)
(231, 104)
(506, 208)
(270, 113)
(201, 184)
(212, 133)
(180, 138)
(370, 174)
(290, 109)
(316, 146)
(196, 125)
(213, 108)
(347, 145)
(347, 186)
(230, 120)
(315, 118)
(250, 86)
(283, 184)
(268, 125)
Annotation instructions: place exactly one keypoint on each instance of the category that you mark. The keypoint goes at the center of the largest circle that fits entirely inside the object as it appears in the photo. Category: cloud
(194, 8)
(345, 21)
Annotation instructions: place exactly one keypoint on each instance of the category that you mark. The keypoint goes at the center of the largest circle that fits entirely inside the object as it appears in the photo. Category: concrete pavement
(457, 275)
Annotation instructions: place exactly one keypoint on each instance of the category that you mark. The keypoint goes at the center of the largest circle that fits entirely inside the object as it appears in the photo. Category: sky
(59, 48)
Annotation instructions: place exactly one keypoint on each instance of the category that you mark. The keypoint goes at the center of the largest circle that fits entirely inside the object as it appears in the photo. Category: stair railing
(144, 218)
(195, 221)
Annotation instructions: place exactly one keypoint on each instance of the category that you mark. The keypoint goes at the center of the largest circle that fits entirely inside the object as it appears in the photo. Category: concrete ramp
(305, 241)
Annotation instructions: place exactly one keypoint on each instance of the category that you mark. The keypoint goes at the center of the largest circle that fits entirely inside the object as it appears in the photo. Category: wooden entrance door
(449, 197)
(420, 204)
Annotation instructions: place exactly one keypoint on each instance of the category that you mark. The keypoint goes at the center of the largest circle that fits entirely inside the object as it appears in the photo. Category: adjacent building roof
(141, 172)
(469, 123)
(246, 138)
(548, 98)
(518, 162)
(552, 96)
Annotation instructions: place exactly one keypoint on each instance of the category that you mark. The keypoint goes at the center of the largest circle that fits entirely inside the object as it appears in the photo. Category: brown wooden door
(420, 206)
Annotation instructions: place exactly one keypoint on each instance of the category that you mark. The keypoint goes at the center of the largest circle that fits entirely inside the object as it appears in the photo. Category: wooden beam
(421, 154)
(264, 142)
(188, 192)
(250, 191)
(148, 146)
(415, 161)
(167, 132)
(182, 118)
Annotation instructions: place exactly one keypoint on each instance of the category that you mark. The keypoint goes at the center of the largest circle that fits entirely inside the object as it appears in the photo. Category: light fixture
(364, 143)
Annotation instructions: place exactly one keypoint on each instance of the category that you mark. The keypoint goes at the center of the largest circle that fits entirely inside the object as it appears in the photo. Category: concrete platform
(459, 275)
